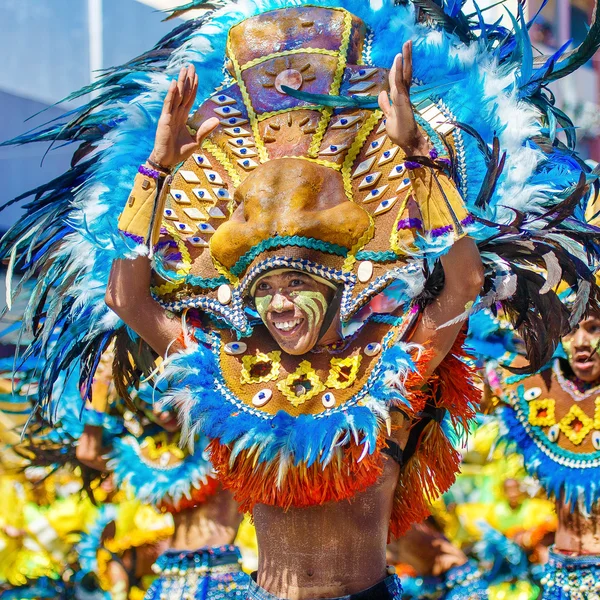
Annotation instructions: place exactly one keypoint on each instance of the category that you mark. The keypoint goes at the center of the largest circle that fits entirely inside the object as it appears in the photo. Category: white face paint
(293, 306)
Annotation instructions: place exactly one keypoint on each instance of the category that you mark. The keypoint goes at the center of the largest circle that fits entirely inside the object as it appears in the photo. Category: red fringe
(427, 474)
(198, 496)
(433, 467)
(301, 487)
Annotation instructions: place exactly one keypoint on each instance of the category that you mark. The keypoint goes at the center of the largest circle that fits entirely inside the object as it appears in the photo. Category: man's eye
(296, 282)
(263, 286)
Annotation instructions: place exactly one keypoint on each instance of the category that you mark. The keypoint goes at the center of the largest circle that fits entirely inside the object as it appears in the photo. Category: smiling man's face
(292, 305)
(582, 349)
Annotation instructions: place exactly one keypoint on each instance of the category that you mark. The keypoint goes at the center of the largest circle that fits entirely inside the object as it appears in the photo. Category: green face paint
(262, 303)
(568, 346)
(312, 304)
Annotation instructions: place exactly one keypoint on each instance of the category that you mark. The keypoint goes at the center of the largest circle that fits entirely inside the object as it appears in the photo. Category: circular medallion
(372, 349)
(328, 400)
(224, 294)
(262, 397)
(289, 77)
(365, 271)
(235, 348)
(553, 433)
(532, 393)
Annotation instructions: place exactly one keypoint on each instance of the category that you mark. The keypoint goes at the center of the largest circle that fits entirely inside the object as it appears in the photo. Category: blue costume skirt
(459, 583)
(571, 577)
(204, 574)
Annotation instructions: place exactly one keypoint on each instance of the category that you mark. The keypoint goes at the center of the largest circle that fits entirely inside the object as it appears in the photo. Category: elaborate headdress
(300, 174)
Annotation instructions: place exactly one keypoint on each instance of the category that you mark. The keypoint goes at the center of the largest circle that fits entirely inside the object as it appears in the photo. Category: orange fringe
(198, 496)
(432, 469)
(254, 484)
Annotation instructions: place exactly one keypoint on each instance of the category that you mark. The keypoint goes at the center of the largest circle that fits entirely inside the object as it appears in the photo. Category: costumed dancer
(200, 560)
(552, 419)
(307, 271)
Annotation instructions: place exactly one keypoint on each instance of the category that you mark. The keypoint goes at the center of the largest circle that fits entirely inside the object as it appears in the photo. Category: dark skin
(345, 549)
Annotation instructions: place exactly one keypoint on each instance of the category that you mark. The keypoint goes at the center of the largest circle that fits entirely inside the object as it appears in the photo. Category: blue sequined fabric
(571, 577)
(203, 574)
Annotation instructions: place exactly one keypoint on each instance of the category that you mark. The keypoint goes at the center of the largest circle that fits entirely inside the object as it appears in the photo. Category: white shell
(222, 100)
(372, 349)
(244, 152)
(375, 194)
(365, 271)
(164, 459)
(189, 176)
(553, 433)
(363, 86)
(363, 167)
(366, 73)
(202, 194)
(247, 163)
(532, 393)
(234, 348)
(262, 397)
(179, 196)
(224, 294)
(596, 439)
(375, 145)
(202, 161)
(388, 156)
(370, 180)
(213, 177)
(194, 213)
(197, 241)
(227, 112)
(183, 227)
(385, 205)
(216, 213)
(328, 400)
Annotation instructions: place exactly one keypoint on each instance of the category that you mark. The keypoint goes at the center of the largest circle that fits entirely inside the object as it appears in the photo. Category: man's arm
(464, 278)
(462, 264)
(128, 292)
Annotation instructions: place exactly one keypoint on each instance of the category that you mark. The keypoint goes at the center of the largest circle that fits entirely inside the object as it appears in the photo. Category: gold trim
(248, 361)
(336, 364)
(535, 406)
(263, 155)
(353, 152)
(336, 84)
(304, 368)
(576, 437)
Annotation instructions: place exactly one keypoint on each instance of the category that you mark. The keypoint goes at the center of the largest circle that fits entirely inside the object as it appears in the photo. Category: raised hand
(400, 119)
(173, 142)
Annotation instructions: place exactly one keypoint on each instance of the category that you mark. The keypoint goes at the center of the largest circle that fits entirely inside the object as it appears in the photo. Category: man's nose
(280, 303)
(581, 339)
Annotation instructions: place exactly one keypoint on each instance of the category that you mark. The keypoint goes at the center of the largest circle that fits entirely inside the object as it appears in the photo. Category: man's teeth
(287, 325)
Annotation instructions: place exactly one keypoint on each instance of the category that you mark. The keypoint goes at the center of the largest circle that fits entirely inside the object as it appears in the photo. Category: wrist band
(150, 172)
(158, 167)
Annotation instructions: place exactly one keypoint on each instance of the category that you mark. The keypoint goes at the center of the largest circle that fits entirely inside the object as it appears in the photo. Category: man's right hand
(174, 143)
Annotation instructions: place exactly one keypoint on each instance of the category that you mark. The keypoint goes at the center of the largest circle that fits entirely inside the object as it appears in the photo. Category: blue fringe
(573, 484)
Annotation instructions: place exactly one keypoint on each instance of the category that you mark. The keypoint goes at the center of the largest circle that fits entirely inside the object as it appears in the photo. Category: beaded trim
(558, 455)
(148, 172)
(571, 577)
(570, 388)
(222, 388)
(279, 241)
